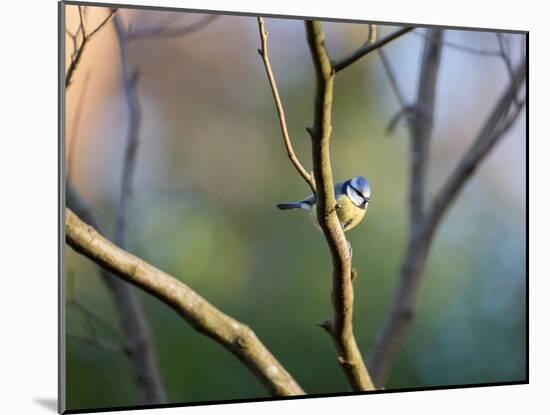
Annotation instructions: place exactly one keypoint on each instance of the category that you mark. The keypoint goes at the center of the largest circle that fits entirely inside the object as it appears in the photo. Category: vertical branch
(402, 309)
(280, 111)
(401, 312)
(340, 325)
(140, 342)
(422, 124)
(129, 83)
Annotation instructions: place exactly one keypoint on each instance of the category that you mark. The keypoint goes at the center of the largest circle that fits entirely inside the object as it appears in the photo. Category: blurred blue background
(211, 166)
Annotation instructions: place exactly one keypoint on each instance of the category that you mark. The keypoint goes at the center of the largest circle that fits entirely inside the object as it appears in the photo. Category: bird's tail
(289, 205)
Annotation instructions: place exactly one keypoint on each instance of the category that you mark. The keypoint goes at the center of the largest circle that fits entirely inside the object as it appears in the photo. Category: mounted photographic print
(275, 207)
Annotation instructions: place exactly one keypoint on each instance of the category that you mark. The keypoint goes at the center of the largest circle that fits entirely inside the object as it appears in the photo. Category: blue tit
(352, 199)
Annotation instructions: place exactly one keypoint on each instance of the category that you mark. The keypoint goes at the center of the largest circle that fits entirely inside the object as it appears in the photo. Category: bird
(352, 199)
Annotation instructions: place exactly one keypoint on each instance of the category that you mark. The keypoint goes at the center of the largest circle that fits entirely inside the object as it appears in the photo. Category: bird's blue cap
(360, 183)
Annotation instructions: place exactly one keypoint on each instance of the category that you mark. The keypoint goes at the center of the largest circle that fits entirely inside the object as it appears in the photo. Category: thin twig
(340, 326)
(98, 342)
(235, 336)
(405, 109)
(464, 48)
(77, 54)
(392, 78)
(91, 315)
(280, 111)
(162, 32)
(507, 61)
(368, 48)
(103, 23)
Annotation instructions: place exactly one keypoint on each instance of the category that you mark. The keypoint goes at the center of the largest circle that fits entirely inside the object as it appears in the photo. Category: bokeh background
(211, 166)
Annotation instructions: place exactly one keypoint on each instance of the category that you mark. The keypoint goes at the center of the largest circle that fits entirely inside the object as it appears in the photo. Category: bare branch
(402, 309)
(77, 53)
(129, 82)
(507, 61)
(236, 337)
(90, 315)
(405, 109)
(82, 26)
(368, 48)
(422, 125)
(492, 131)
(103, 23)
(341, 324)
(98, 342)
(280, 111)
(464, 48)
(386, 341)
(138, 339)
(159, 32)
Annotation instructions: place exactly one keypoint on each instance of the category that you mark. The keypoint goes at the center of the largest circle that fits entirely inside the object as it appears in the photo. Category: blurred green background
(210, 168)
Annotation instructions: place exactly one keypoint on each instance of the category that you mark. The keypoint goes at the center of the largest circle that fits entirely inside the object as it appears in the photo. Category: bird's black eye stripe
(355, 188)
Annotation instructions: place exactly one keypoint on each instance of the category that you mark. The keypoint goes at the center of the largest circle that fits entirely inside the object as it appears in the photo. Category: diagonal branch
(368, 48)
(340, 326)
(137, 336)
(280, 111)
(236, 337)
(494, 128)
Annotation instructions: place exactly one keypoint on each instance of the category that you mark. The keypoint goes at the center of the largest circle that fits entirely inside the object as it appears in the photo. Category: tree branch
(340, 326)
(494, 128)
(506, 59)
(422, 123)
(280, 111)
(401, 311)
(236, 337)
(385, 343)
(463, 48)
(129, 82)
(86, 37)
(368, 48)
(138, 339)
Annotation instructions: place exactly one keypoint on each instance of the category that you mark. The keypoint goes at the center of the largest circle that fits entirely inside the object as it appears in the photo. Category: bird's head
(358, 190)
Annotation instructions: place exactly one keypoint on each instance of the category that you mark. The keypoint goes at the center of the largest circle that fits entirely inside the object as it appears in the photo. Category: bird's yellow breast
(349, 214)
